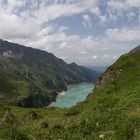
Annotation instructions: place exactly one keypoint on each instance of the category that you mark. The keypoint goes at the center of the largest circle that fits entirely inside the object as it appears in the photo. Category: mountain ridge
(39, 73)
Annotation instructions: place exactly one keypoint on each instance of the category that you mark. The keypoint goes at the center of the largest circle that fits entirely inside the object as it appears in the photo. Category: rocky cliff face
(108, 76)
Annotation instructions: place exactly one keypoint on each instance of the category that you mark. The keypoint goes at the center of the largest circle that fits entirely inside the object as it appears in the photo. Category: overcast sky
(88, 32)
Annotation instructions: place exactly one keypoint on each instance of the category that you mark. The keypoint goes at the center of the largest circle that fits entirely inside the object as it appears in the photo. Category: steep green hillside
(32, 78)
(111, 112)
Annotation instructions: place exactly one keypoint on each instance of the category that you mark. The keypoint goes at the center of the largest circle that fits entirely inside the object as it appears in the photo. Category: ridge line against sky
(88, 32)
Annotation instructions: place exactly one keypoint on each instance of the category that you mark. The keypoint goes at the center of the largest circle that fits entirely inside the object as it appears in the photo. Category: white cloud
(63, 45)
(106, 56)
(29, 23)
(11, 27)
(63, 28)
(124, 34)
(94, 57)
(83, 52)
(63, 57)
(63, 8)
(114, 57)
(119, 9)
(87, 21)
(26, 27)
(123, 5)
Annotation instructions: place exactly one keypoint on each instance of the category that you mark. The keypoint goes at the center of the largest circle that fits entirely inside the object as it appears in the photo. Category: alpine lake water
(75, 93)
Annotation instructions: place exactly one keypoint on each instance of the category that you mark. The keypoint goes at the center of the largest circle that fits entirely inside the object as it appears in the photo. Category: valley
(69, 69)
(110, 112)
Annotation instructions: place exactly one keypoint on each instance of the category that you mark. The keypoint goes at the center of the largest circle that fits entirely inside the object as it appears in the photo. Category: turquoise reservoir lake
(75, 93)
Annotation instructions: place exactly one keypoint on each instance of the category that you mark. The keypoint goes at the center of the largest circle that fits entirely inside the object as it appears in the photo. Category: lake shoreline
(62, 93)
(76, 93)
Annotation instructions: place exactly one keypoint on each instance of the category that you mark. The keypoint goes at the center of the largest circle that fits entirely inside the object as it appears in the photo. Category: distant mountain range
(31, 77)
(99, 69)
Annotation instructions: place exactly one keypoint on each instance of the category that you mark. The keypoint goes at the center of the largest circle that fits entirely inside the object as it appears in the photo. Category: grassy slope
(112, 112)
